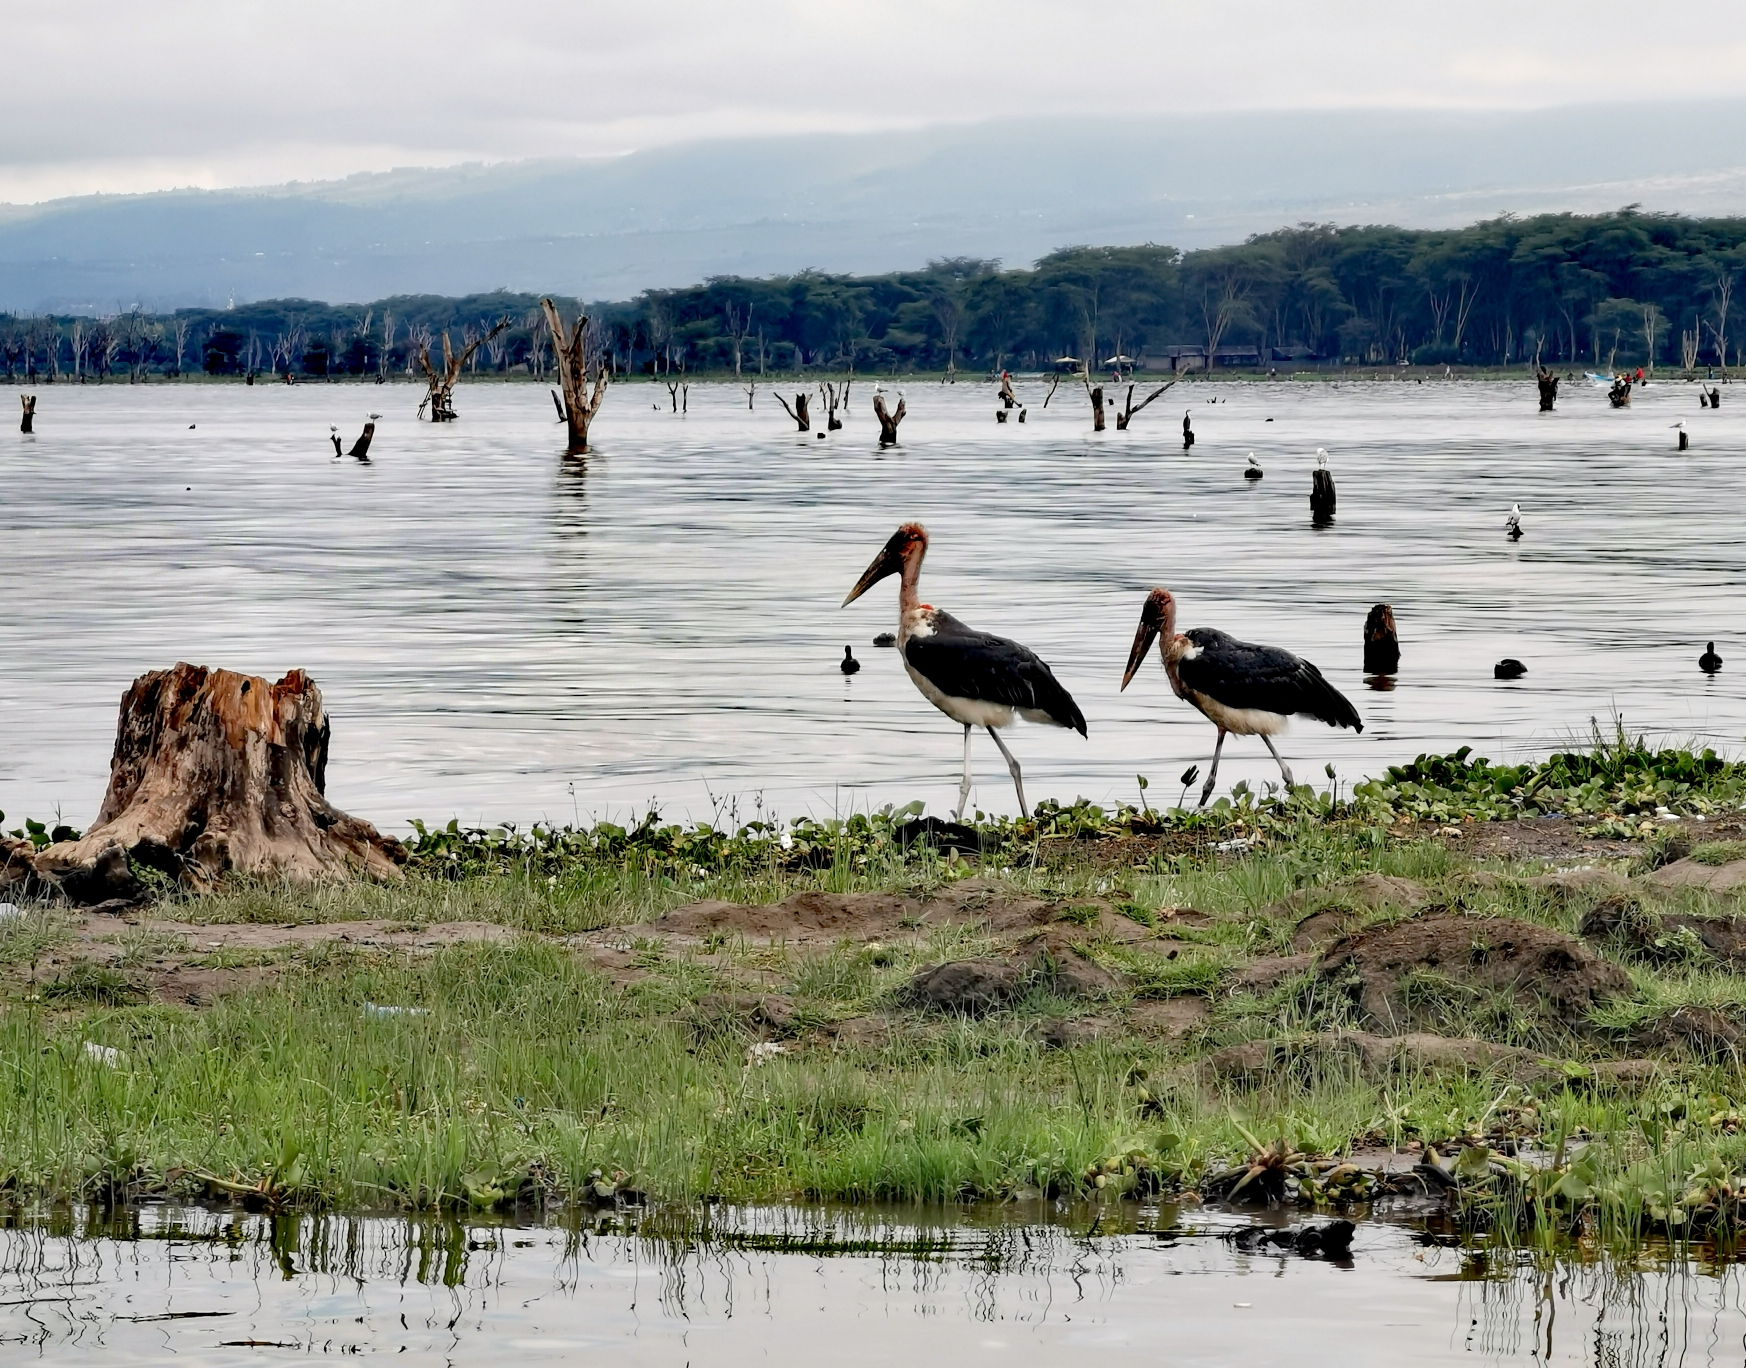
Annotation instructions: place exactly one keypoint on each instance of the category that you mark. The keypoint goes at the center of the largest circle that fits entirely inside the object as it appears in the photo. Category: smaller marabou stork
(1237, 686)
(974, 678)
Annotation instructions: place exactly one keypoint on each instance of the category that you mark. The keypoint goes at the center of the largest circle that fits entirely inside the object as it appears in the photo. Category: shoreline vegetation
(1574, 291)
(1510, 992)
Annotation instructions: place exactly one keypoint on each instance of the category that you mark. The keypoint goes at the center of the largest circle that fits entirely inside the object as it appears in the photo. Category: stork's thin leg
(1284, 768)
(1018, 780)
(964, 788)
(1213, 775)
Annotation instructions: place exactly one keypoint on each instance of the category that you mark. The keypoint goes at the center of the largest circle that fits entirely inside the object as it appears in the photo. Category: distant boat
(1596, 378)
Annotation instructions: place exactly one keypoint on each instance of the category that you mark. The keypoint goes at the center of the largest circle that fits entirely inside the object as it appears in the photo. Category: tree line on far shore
(1621, 288)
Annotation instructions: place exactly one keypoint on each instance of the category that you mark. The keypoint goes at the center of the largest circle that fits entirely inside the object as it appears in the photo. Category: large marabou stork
(974, 678)
(1238, 686)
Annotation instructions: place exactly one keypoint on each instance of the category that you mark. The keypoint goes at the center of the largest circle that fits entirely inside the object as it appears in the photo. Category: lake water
(792, 1286)
(500, 633)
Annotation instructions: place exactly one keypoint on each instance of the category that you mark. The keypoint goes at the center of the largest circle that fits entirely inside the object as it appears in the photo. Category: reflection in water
(491, 623)
(829, 1285)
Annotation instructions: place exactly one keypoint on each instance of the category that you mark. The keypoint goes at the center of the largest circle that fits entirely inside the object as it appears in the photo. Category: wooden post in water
(1381, 645)
(26, 424)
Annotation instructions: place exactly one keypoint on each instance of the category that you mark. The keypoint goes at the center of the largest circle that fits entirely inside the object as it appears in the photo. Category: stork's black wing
(1240, 674)
(965, 663)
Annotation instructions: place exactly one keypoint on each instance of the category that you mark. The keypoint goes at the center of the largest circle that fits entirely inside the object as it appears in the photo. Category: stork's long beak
(1143, 640)
(889, 561)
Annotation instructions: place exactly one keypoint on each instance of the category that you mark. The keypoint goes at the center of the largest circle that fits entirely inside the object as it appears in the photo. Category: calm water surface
(791, 1286)
(500, 633)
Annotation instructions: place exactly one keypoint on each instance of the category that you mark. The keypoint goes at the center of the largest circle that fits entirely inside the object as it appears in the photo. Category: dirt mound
(815, 917)
(1625, 922)
(1689, 873)
(1268, 972)
(1704, 1031)
(1499, 954)
(975, 987)
(763, 1015)
(1332, 909)
(1172, 1018)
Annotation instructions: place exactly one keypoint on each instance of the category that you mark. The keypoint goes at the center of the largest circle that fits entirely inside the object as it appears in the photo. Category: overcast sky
(129, 96)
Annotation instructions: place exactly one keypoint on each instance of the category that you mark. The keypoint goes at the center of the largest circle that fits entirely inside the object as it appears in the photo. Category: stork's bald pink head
(1157, 619)
(908, 544)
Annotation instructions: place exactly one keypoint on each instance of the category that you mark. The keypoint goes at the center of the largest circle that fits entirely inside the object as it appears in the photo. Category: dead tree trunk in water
(888, 421)
(361, 447)
(801, 417)
(1548, 383)
(1381, 645)
(1054, 380)
(1322, 497)
(218, 773)
(575, 363)
(832, 399)
(1096, 408)
(1131, 409)
(26, 424)
(440, 387)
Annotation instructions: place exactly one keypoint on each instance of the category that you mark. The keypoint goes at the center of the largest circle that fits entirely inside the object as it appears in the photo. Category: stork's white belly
(1242, 721)
(971, 712)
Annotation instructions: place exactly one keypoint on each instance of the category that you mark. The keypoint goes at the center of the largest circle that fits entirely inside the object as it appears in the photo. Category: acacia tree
(578, 362)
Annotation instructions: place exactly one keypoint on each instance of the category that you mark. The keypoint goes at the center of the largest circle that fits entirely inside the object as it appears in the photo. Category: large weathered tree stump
(361, 447)
(888, 421)
(1323, 499)
(27, 423)
(1381, 645)
(1548, 383)
(577, 365)
(217, 773)
(1097, 409)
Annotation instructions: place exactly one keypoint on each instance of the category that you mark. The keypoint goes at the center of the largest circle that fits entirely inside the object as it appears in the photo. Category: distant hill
(861, 203)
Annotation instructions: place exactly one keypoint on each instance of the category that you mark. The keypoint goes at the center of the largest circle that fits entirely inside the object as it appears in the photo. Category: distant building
(1238, 357)
(1185, 358)
(1297, 353)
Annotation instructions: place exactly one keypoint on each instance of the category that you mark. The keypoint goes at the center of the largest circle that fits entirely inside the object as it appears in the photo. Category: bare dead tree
(496, 349)
(577, 366)
(29, 416)
(387, 352)
(1130, 410)
(828, 392)
(951, 317)
(888, 421)
(751, 394)
(80, 343)
(1054, 380)
(739, 325)
(440, 385)
(798, 413)
(418, 339)
(1722, 295)
(760, 353)
(180, 328)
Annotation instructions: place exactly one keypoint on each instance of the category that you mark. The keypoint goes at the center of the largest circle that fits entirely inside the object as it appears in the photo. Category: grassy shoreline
(534, 1017)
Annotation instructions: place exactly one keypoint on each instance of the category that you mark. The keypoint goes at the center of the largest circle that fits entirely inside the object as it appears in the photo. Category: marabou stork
(974, 678)
(1239, 687)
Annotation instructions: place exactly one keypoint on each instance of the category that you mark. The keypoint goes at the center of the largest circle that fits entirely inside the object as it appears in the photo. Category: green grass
(522, 1067)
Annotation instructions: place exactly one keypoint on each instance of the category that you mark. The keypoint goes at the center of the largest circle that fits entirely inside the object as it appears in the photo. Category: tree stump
(1187, 432)
(217, 773)
(1322, 497)
(361, 447)
(798, 413)
(1097, 409)
(1381, 645)
(1548, 383)
(577, 364)
(888, 421)
(26, 424)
